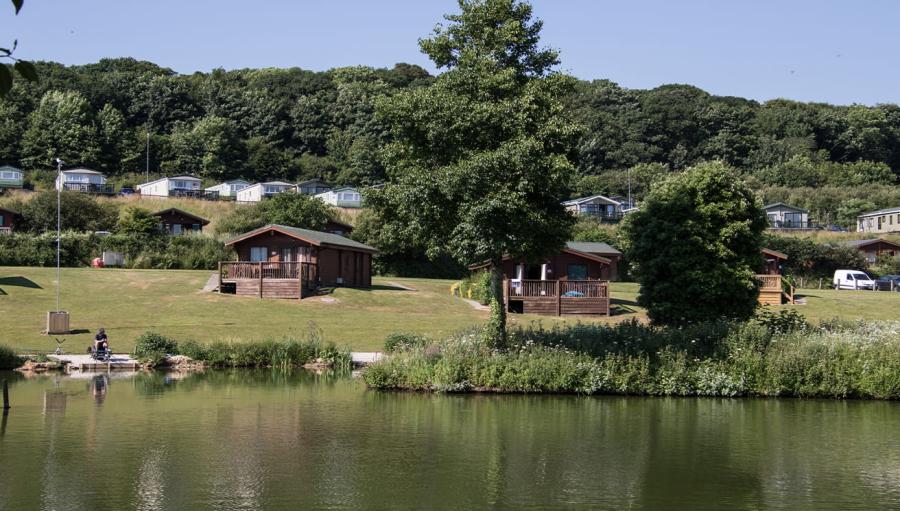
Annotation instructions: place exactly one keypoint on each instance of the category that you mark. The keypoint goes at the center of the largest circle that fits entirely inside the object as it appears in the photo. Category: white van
(852, 279)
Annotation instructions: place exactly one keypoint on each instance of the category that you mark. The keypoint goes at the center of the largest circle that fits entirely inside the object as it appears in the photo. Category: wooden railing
(554, 288)
(769, 282)
(244, 270)
(583, 288)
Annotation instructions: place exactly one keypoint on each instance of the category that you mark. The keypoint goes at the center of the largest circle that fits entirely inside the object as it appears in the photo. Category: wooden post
(300, 280)
(608, 298)
(5, 396)
(260, 279)
(820, 283)
(558, 299)
(220, 277)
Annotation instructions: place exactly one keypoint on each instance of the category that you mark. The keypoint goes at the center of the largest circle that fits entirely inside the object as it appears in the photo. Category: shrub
(402, 341)
(761, 358)
(154, 347)
(475, 287)
(8, 358)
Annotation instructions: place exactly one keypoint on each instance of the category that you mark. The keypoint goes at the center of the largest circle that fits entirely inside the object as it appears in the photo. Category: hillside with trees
(295, 124)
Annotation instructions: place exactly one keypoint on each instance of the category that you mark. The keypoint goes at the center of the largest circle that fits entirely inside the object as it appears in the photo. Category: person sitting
(101, 342)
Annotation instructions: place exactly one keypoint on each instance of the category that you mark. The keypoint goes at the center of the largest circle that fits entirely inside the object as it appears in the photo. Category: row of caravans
(245, 192)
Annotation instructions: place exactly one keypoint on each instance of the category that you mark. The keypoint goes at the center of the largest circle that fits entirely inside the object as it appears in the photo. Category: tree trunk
(496, 327)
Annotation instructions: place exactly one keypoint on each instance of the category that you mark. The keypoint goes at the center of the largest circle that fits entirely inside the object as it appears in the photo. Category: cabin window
(2, 220)
(195, 227)
(287, 255)
(258, 254)
(176, 228)
(577, 272)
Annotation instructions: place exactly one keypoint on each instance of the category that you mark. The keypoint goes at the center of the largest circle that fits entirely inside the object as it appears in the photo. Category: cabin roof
(10, 167)
(582, 200)
(10, 210)
(168, 178)
(593, 247)
(182, 212)
(81, 170)
(566, 250)
(887, 211)
(784, 206)
(774, 253)
(317, 238)
(865, 243)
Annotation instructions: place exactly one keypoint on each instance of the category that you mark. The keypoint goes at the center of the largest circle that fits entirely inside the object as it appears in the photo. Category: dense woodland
(294, 124)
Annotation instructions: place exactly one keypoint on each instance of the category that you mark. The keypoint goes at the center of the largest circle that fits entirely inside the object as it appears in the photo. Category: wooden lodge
(574, 281)
(278, 261)
(772, 291)
(176, 221)
(8, 218)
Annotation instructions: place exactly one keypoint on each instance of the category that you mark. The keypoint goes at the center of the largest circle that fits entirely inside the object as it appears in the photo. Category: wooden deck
(290, 280)
(557, 297)
(117, 362)
(773, 292)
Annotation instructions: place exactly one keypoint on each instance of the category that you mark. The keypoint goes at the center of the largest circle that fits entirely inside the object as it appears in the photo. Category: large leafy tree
(695, 247)
(479, 158)
(63, 126)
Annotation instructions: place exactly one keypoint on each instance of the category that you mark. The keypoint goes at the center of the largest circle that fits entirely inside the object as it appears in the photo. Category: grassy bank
(130, 302)
(860, 360)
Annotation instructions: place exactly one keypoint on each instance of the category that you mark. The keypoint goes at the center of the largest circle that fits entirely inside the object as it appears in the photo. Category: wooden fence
(557, 297)
(270, 279)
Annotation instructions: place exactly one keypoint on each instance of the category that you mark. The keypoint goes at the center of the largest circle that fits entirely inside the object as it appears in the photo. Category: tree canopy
(478, 160)
(695, 246)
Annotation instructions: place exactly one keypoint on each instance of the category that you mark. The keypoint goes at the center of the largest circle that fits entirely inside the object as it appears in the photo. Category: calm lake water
(268, 440)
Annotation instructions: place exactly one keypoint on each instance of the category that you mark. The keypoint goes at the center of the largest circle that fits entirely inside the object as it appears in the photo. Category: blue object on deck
(573, 294)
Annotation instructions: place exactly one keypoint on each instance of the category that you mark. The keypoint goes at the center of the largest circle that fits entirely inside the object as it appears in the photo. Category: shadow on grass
(619, 307)
(19, 282)
(383, 287)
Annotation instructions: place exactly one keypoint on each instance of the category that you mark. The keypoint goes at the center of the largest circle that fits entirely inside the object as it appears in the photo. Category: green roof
(592, 247)
(314, 237)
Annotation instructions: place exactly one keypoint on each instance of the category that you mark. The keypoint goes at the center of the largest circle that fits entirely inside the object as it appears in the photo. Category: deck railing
(554, 288)
(246, 270)
(103, 189)
(194, 194)
(5, 230)
(769, 282)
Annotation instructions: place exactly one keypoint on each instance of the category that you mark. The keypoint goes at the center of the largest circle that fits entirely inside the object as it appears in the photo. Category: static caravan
(178, 186)
(344, 197)
(260, 191)
(83, 180)
(229, 188)
(11, 177)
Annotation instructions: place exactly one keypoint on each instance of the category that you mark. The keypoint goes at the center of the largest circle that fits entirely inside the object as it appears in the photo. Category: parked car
(835, 228)
(888, 283)
(126, 191)
(852, 279)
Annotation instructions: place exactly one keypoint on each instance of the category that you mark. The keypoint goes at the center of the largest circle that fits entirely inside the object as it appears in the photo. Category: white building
(178, 186)
(344, 197)
(260, 191)
(229, 188)
(82, 180)
(597, 206)
(883, 220)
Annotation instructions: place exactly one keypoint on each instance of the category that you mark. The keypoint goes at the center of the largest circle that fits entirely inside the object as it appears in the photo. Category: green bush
(402, 341)
(760, 358)
(8, 358)
(154, 347)
(476, 286)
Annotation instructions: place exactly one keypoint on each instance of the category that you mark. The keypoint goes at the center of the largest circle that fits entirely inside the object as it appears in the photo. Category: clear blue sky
(813, 50)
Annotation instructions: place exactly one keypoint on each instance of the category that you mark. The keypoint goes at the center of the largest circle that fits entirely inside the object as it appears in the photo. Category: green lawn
(129, 302)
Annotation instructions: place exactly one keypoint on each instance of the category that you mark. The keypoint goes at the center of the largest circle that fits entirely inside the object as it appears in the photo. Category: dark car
(888, 283)
(126, 191)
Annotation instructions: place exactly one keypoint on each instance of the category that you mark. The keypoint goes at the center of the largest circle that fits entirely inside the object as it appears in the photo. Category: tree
(695, 245)
(24, 68)
(137, 221)
(291, 209)
(479, 158)
(78, 212)
(61, 127)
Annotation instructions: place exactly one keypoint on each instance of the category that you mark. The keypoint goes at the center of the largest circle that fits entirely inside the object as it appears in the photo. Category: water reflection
(264, 439)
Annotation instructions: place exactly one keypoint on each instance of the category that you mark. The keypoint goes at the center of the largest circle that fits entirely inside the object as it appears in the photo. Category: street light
(57, 320)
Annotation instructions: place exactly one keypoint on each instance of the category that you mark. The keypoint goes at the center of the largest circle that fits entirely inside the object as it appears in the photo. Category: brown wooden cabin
(771, 289)
(277, 261)
(8, 218)
(571, 282)
(176, 221)
(875, 248)
(338, 227)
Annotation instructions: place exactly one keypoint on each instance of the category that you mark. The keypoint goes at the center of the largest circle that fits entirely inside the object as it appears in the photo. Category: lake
(273, 440)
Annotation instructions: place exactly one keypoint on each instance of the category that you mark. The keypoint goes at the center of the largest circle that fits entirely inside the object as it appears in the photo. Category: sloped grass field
(130, 302)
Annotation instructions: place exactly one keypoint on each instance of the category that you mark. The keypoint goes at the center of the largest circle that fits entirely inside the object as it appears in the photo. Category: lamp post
(57, 320)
